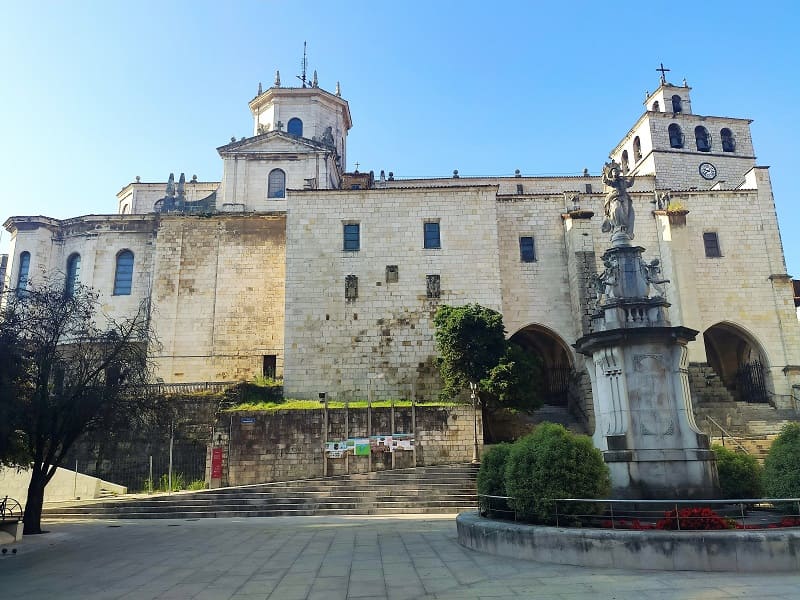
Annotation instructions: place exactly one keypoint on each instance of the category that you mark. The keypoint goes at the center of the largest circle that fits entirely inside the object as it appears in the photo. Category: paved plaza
(326, 558)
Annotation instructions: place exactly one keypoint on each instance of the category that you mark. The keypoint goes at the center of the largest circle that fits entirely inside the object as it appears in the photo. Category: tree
(781, 475)
(471, 341)
(515, 382)
(473, 350)
(66, 369)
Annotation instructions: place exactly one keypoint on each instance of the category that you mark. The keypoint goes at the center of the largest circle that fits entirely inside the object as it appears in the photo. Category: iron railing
(726, 433)
(740, 513)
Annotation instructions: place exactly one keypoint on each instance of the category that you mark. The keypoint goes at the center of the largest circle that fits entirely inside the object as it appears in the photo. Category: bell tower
(684, 150)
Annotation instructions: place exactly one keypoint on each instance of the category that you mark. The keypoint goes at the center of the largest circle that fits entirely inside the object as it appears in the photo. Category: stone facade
(262, 281)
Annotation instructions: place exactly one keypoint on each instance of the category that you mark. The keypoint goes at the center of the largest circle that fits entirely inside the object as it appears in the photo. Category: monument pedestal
(638, 365)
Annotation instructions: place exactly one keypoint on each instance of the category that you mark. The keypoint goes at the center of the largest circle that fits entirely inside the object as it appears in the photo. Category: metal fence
(745, 513)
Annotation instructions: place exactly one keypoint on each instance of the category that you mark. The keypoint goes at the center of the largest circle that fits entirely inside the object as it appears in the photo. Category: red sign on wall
(216, 463)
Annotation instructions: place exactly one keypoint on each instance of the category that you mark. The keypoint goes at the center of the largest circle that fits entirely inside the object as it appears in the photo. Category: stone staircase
(753, 426)
(439, 489)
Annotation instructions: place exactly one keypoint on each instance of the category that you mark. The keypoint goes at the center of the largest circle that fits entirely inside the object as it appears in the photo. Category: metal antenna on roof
(303, 66)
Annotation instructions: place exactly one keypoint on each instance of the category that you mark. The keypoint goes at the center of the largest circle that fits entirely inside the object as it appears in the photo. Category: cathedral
(292, 266)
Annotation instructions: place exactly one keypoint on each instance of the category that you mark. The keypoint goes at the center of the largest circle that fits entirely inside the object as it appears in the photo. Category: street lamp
(474, 394)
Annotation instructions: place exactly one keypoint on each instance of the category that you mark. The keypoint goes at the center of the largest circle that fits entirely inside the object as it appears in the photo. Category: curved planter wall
(734, 550)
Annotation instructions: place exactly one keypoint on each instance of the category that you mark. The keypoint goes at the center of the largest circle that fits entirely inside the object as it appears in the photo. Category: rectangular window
(527, 252)
(352, 237)
(392, 274)
(350, 287)
(711, 243)
(432, 235)
(433, 286)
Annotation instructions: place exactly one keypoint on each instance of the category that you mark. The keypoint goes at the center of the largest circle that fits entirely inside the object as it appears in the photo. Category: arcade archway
(555, 357)
(739, 361)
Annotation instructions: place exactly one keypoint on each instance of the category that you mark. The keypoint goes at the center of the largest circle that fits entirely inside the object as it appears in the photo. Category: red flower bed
(694, 519)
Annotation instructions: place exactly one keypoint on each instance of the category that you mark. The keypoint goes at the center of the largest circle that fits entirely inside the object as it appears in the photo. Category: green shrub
(739, 474)
(782, 466)
(491, 476)
(553, 463)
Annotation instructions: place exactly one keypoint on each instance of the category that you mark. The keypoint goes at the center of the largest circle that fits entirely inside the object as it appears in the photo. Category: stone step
(441, 490)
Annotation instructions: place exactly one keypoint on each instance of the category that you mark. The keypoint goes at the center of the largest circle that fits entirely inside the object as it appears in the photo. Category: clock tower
(682, 149)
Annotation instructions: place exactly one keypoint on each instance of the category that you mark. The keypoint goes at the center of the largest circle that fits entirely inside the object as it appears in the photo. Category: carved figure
(327, 136)
(607, 281)
(652, 274)
(617, 206)
(171, 186)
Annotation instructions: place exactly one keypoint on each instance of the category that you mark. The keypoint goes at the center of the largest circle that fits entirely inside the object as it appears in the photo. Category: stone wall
(336, 344)
(285, 445)
(218, 294)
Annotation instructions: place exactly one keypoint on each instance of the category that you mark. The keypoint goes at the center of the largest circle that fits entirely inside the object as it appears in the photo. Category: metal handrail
(724, 433)
(624, 516)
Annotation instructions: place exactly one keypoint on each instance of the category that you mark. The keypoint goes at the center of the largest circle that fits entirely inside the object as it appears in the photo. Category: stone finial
(391, 176)
(233, 138)
(314, 82)
(455, 173)
(194, 178)
(383, 175)
(259, 88)
(684, 82)
(138, 179)
(585, 172)
(277, 79)
(517, 173)
(338, 89)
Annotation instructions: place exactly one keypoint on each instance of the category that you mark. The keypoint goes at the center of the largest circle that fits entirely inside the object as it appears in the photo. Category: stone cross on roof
(663, 74)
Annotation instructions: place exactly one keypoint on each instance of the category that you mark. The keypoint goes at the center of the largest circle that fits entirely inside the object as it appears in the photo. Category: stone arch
(556, 358)
(740, 361)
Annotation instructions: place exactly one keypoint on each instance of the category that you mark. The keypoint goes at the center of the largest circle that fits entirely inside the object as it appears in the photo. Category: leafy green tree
(553, 463)
(473, 350)
(471, 342)
(739, 474)
(65, 369)
(781, 472)
(515, 382)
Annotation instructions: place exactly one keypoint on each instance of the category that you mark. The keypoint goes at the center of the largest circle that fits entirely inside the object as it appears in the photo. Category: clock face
(707, 170)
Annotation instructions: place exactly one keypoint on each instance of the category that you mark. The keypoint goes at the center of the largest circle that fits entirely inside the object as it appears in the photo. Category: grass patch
(316, 405)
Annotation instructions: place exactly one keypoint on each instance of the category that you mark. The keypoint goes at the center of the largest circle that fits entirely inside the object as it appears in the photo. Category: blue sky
(95, 93)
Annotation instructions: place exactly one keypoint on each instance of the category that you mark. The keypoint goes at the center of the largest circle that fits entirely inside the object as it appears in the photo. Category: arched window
(703, 139)
(295, 127)
(22, 276)
(728, 143)
(276, 184)
(675, 136)
(123, 275)
(656, 106)
(624, 160)
(73, 274)
(677, 105)
(637, 149)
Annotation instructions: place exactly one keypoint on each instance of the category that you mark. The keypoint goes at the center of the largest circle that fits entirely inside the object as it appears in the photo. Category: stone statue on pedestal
(617, 206)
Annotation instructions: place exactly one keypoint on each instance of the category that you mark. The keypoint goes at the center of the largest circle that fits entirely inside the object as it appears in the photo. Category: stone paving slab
(328, 558)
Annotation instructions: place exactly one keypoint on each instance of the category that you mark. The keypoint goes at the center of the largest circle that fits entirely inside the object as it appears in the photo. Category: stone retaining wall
(735, 550)
(260, 447)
